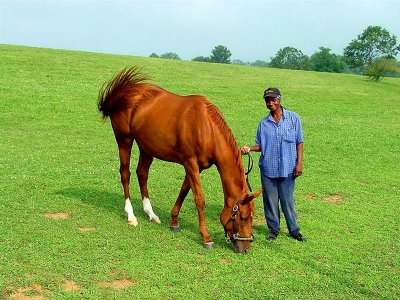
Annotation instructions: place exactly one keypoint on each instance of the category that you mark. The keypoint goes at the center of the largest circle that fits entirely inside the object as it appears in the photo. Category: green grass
(56, 155)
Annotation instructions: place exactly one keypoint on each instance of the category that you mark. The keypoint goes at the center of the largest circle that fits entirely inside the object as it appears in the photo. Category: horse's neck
(232, 176)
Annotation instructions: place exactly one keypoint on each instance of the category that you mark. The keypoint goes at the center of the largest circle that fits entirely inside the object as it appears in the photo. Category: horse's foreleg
(125, 149)
(178, 204)
(142, 173)
(193, 175)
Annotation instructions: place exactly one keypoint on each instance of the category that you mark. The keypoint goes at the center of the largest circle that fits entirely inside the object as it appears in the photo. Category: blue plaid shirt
(278, 144)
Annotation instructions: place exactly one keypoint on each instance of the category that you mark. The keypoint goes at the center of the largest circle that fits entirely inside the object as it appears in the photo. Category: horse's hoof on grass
(209, 245)
(133, 222)
(175, 228)
(155, 220)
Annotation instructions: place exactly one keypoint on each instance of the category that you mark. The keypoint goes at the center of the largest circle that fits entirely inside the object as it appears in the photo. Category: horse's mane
(114, 94)
(218, 119)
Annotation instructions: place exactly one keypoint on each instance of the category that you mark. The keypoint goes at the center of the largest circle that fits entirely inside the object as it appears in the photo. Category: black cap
(272, 93)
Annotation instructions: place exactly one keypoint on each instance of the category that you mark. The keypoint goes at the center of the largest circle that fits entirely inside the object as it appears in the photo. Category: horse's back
(173, 127)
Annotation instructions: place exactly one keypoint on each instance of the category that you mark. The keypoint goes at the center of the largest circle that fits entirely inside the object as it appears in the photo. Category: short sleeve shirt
(278, 144)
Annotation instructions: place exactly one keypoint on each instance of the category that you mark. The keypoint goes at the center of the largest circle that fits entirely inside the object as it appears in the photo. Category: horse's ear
(250, 197)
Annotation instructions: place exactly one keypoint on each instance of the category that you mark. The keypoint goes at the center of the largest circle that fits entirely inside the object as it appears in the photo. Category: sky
(251, 29)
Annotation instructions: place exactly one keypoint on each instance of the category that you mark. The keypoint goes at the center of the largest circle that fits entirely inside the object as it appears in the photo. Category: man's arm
(298, 170)
(247, 149)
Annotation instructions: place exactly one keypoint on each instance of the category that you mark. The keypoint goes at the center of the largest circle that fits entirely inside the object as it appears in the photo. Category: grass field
(63, 233)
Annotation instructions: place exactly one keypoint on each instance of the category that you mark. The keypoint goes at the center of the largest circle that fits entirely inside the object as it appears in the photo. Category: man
(280, 140)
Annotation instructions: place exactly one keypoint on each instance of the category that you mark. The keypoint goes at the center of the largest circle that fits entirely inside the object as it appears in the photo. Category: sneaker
(298, 236)
(272, 236)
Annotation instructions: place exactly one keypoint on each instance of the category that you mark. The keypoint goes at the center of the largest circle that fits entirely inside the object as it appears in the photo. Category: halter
(236, 236)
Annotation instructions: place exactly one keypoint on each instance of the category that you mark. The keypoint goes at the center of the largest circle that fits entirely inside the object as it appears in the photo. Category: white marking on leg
(148, 209)
(129, 211)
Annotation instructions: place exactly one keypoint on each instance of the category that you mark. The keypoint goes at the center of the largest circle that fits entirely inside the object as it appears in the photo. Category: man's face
(272, 103)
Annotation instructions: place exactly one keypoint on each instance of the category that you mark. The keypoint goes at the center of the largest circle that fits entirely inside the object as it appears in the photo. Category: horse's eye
(243, 219)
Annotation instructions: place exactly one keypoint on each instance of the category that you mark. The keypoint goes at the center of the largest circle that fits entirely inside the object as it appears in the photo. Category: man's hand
(245, 150)
(298, 170)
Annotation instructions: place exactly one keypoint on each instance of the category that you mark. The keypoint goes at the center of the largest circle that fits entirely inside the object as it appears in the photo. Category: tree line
(220, 54)
(372, 53)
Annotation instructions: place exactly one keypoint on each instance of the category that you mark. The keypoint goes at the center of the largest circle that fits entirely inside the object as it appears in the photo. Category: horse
(188, 130)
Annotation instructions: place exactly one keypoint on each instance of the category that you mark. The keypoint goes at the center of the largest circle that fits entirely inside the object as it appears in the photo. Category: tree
(202, 59)
(170, 55)
(373, 43)
(290, 58)
(238, 62)
(259, 63)
(154, 55)
(380, 68)
(324, 61)
(220, 54)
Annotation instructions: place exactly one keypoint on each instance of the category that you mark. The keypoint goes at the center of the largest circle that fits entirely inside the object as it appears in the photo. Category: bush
(202, 58)
(381, 68)
(170, 55)
(259, 63)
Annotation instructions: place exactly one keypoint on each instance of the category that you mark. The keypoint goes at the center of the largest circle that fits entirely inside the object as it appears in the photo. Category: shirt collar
(270, 118)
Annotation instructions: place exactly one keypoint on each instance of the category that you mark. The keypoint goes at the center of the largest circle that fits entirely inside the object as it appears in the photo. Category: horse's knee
(142, 175)
(200, 205)
(125, 175)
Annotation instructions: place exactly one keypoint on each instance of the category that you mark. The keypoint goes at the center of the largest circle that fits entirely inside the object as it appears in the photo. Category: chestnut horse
(188, 130)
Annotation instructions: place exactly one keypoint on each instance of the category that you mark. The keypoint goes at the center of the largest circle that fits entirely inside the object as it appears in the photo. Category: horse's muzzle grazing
(241, 246)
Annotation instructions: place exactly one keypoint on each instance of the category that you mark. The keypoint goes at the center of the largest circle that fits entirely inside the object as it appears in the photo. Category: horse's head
(238, 221)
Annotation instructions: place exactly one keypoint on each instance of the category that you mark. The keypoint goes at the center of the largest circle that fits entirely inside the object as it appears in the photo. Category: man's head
(272, 97)
(272, 93)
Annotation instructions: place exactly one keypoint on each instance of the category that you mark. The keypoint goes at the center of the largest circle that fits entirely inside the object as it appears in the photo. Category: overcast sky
(250, 29)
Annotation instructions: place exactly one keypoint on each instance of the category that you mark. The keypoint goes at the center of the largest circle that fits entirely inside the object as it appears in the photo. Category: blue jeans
(275, 190)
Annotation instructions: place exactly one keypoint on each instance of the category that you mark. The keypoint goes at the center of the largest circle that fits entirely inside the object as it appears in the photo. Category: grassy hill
(63, 231)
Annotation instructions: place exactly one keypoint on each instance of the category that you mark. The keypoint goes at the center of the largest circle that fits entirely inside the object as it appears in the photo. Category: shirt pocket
(290, 135)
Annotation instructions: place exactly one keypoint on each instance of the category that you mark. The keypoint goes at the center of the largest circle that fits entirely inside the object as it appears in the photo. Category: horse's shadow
(114, 203)
(99, 199)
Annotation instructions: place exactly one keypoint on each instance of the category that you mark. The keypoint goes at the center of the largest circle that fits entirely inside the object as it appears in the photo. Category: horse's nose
(240, 247)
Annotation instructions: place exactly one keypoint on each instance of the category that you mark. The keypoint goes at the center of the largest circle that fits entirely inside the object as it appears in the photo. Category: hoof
(175, 228)
(209, 245)
(155, 220)
(133, 222)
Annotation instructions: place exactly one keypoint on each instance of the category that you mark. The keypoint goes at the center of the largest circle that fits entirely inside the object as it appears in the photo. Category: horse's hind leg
(142, 173)
(125, 149)
(178, 204)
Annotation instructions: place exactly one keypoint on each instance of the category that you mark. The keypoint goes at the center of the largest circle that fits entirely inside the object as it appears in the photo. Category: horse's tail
(115, 93)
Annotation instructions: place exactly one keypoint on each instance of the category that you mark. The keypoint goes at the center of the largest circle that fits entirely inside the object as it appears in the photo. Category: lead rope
(249, 168)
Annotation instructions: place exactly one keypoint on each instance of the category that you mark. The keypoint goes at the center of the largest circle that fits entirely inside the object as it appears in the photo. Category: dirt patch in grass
(334, 198)
(311, 197)
(58, 215)
(70, 286)
(225, 261)
(86, 229)
(117, 284)
(33, 292)
(320, 260)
